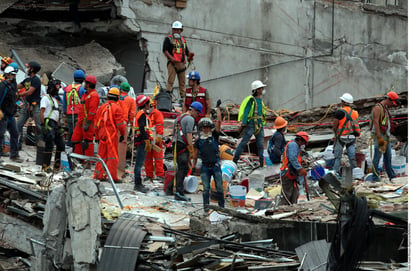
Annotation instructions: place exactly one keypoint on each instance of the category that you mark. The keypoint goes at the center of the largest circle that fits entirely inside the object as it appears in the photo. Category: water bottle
(65, 162)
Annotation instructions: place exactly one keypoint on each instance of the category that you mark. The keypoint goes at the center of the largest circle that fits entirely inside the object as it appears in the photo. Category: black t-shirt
(168, 46)
(209, 148)
(36, 83)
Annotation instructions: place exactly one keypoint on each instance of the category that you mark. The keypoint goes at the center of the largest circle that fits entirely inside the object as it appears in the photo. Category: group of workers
(110, 125)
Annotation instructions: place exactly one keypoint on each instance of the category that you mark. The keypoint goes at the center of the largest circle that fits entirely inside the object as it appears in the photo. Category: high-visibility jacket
(348, 129)
(179, 48)
(109, 120)
(73, 105)
(147, 128)
(89, 103)
(200, 97)
(385, 119)
(157, 121)
(128, 104)
(253, 114)
(285, 162)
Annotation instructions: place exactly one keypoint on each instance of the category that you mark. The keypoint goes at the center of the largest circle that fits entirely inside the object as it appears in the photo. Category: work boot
(148, 179)
(140, 188)
(181, 197)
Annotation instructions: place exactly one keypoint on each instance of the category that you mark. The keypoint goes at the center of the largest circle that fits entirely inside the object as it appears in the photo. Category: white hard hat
(257, 84)
(347, 98)
(177, 25)
(10, 69)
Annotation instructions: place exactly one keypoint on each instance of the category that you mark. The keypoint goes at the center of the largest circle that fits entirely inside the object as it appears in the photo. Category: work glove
(43, 129)
(218, 103)
(61, 131)
(158, 140)
(191, 150)
(86, 126)
(121, 139)
(190, 56)
(148, 145)
(303, 172)
(381, 140)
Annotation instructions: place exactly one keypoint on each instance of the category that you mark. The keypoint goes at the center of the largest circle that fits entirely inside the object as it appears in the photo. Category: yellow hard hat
(114, 91)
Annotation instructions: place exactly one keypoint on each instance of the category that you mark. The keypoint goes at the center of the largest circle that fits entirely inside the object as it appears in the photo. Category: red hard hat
(141, 100)
(392, 96)
(303, 135)
(91, 79)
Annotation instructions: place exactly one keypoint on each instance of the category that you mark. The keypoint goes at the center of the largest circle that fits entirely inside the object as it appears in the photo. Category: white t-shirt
(46, 103)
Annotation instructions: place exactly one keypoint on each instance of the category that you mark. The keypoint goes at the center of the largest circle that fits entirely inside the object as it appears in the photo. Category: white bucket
(190, 184)
(357, 173)
(228, 170)
(256, 181)
(399, 165)
(237, 192)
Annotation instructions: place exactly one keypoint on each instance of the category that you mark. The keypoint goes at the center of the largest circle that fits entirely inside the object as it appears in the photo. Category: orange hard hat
(114, 91)
(303, 135)
(393, 96)
(280, 123)
(141, 100)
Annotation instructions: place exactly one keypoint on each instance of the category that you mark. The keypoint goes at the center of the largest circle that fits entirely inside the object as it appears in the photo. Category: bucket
(256, 181)
(317, 172)
(226, 153)
(357, 173)
(169, 176)
(190, 184)
(228, 170)
(237, 195)
(399, 165)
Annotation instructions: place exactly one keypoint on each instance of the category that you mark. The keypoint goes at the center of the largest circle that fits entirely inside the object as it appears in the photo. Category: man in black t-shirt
(31, 106)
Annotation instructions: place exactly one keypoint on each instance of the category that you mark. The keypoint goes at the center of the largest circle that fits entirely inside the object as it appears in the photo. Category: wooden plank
(181, 3)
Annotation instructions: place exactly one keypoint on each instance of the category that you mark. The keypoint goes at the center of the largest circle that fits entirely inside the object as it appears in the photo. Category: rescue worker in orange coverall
(128, 105)
(83, 133)
(156, 118)
(108, 125)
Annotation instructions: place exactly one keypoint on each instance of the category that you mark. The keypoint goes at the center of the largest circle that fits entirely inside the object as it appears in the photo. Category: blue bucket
(228, 170)
(317, 172)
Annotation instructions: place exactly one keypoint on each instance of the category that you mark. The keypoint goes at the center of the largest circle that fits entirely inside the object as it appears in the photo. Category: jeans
(27, 111)
(9, 123)
(248, 132)
(338, 151)
(387, 161)
(140, 156)
(205, 174)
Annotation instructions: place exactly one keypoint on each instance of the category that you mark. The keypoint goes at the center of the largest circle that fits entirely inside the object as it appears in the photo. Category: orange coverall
(90, 102)
(156, 117)
(108, 124)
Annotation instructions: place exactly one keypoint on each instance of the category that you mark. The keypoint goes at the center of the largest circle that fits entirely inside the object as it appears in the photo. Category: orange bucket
(226, 152)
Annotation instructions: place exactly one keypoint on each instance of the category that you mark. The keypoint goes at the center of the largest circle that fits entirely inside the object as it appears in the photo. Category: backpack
(271, 150)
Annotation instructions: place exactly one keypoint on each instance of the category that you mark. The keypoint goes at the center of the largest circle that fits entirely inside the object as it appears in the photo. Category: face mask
(264, 92)
(302, 147)
(204, 135)
(176, 35)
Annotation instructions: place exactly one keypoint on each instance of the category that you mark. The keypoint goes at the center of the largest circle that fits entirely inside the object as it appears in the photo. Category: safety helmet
(303, 135)
(177, 25)
(256, 84)
(79, 74)
(15, 66)
(197, 106)
(114, 91)
(347, 98)
(141, 100)
(193, 75)
(280, 123)
(35, 66)
(9, 70)
(91, 79)
(6, 60)
(393, 96)
(205, 122)
(125, 86)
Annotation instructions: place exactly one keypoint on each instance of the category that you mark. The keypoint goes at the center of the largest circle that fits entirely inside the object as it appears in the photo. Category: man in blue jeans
(252, 117)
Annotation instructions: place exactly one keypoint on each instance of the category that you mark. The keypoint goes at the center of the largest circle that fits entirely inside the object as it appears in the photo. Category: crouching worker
(207, 148)
(291, 169)
(52, 133)
(107, 126)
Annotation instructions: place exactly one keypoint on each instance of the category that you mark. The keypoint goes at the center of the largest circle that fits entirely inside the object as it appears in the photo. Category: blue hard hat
(79, 74)
(197, 106)
(15, 66)
(193, 75)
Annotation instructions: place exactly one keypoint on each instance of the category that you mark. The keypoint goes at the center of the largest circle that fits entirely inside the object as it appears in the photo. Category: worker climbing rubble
(176, 52)
(83, 133)
(183, 149)
(382, 126)
(252, 118)
(196, 93)
(346, 129)
(292, 170)
(277, 142)
(109, 124)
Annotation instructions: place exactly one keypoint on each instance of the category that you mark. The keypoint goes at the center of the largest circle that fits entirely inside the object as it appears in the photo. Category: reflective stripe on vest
(147, 127)
(73, 100)
(347, 130)
(285, 160)
(178, 48)
(200, 97)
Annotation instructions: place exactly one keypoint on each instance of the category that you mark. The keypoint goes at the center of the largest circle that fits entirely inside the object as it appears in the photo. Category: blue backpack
(271, 150)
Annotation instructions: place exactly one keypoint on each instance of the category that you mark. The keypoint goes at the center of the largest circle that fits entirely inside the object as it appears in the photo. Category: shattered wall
(286, 44)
